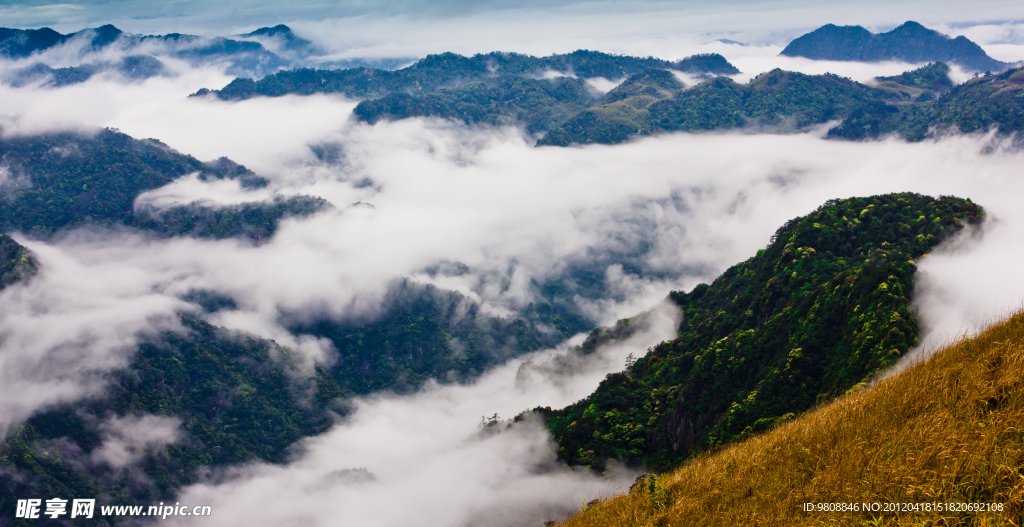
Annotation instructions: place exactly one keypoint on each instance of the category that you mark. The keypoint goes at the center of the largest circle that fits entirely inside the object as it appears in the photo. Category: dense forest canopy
(823, 308)
(448, 70)
(16, 262)
(67, 180)
(915, 105)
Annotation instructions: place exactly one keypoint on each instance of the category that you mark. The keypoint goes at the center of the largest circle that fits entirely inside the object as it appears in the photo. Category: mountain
(67, 180)
(978, 105)
(819, 311)
(16, 262)
(933, 77)
(244, 57)
(20, 43)
(910, 42)
(537, 105)
(449, 70)
(281, 38)
(653, 102)
(914, 105)
(936, 435)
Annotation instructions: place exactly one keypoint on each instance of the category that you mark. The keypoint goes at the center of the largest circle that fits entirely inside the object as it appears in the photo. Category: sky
(482, 196)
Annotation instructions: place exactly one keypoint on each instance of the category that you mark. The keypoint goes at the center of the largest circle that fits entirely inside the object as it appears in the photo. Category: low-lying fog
(424, 460)
(414, 193)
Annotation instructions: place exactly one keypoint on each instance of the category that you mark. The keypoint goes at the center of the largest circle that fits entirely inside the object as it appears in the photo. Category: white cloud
(428, 468)
(442, 192)
(127, 439)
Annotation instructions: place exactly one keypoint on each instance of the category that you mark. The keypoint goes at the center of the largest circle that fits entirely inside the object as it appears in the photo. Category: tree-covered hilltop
(447, 70)
(910, 42)
(914, 105)
(823, 308)
(89, 45)
(16, 262)
(647, 104)
(930, 80)
(978, 105)
(536, 105)
(66, 180)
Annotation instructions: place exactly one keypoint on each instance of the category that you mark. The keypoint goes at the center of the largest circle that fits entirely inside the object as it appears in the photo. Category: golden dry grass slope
(949, 430)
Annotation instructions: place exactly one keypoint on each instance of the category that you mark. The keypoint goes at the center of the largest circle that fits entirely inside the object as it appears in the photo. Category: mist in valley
(473, 209)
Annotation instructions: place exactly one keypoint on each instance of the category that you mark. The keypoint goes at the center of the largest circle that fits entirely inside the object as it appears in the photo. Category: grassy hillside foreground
(949, 430)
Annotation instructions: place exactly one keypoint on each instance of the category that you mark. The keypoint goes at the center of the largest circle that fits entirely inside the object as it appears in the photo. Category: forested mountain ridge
(537, 105)
(775, 99)
(232, 398)
(16, 262)
(914, 105)
(64, 180)
(978, 105)
(448, 70)
(244, 55)
(910, 42)
(821, 309)
(937, 432)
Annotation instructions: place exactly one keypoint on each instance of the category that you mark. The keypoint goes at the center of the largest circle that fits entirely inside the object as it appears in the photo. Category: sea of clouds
(410, 194)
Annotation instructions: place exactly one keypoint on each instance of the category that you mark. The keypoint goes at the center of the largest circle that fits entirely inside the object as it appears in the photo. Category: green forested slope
(16, 262)
(932, 78)
(821, 309)
(776, 98)
(494, 88)
(537, 105)
(915, 105)
(448, 70)
(978, 105)
(67, 180)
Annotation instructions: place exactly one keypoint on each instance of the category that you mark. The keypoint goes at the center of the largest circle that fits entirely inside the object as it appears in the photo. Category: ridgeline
(941, 435)
(910, 42)
(819, 311)
(69, 180)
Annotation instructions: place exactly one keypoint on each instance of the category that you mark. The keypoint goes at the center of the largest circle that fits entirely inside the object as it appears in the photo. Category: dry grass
(950, 429)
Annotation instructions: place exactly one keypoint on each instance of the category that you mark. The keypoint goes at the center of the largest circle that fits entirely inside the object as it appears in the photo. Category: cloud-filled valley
(602, 232)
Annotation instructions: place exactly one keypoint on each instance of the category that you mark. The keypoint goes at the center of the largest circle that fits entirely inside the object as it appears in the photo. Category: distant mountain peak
(283, 34)
(909, 42)
(279, 29)
(914, 27)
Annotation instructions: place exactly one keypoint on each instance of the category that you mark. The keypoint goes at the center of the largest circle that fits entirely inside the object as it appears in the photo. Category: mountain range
(910, 42)
(814, 316)
(255, 54)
